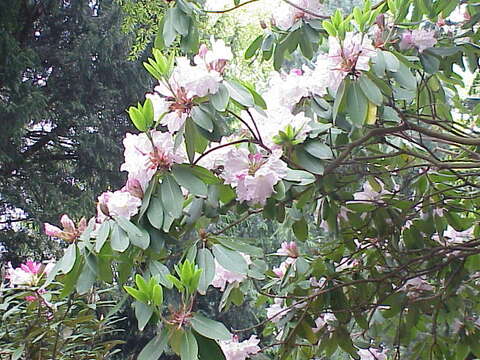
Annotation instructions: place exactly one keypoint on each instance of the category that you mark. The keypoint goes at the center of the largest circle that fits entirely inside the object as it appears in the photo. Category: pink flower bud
(68, 224)
(51, 230)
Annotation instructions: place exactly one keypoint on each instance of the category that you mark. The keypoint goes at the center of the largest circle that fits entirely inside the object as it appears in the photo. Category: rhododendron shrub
(365, 152)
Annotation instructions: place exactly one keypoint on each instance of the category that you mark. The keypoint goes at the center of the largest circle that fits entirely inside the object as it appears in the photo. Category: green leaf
(136, 115)
(239, 93)
(339, 100)
(172, 197)
(254, 46)
(136, 294)
(155, 347)
(308, 162)
(305, 45)
(138, 237)
(371, 91)
(208, 349)
(86, 280)
(157, 295)
(181, 21)
(318, 150)
(155, 212)
(160, 272)
(209, 328)
(392, 63)
(405, 77)
(205, 262)
(119, 239)
(301, 177)
(205, 175)
(68, 259)
(185, 176)
(300, 229)
(229, 259)
(102, 236)
(188, 346)
(148, 113)
(237, 244)
(169, 32)
(143, 313)
(202, 118)
(220, 99)
(357, 105)
(430, 63)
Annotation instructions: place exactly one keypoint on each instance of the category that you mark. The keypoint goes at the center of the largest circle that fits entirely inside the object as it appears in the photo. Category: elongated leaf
(137, 236)
(205, 262)
(119, 239)
(371, 91)
(86, 280)
(202, 118)
(169, 32)
(186, 178)
(237, 244)
(155, 212)
(155, 347)
(220, 99)
(143, 313)
(68, 259)
(188, 346)
(318, 150)
(309, 162)
(229, 259)
(160, 271)
(102, 236)
(301, 177)
(181, 21)
(357, 105)
(172, 197)
(239, 93)
(208, 349)
(210, 328)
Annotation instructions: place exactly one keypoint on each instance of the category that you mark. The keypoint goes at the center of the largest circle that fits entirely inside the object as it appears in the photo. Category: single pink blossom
(70, 232)
(253, 175)
(235, 350)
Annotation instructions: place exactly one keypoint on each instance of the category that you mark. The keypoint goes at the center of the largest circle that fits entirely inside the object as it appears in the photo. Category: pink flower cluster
(235, 350)
(419, 38)
(253, 175)
(173, 99)
(348, 57)
(28, 274)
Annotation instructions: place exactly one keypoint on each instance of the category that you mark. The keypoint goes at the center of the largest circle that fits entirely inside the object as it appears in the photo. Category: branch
(375, 132)
(230, 9)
